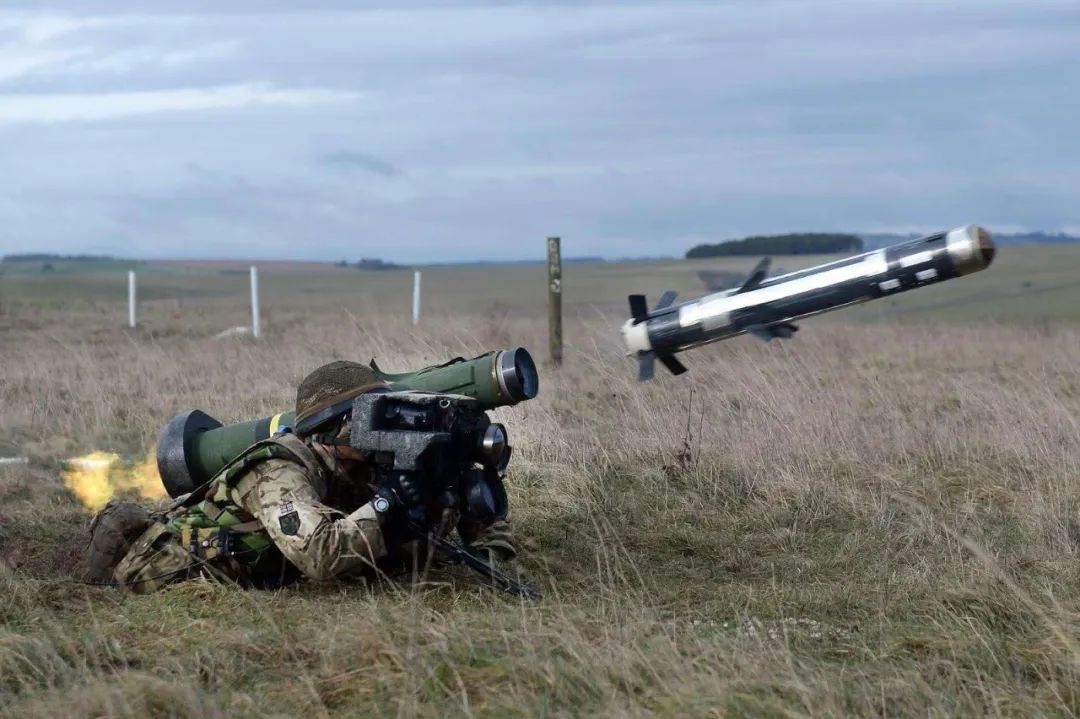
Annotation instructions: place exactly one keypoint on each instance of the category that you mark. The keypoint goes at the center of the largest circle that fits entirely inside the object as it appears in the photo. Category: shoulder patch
(288, 518)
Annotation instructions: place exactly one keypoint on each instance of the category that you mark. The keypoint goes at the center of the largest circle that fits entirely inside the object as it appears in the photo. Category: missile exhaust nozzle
(636, 337)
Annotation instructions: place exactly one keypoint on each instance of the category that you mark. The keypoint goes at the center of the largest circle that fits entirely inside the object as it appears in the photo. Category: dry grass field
(878, 518)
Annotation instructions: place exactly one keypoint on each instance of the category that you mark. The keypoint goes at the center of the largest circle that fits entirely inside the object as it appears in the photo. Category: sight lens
(526, 371)
(517, 374)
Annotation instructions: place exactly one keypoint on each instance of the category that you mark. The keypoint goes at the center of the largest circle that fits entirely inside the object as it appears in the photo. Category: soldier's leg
(134, 549)
(153, 561)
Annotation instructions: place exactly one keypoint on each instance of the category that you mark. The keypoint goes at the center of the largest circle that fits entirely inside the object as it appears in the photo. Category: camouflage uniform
(286, 507)
(320, 541)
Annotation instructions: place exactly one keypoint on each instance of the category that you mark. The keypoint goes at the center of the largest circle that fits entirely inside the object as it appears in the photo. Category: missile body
(767, 306)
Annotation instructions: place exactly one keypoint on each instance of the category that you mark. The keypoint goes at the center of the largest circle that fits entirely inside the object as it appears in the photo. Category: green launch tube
(193, 446)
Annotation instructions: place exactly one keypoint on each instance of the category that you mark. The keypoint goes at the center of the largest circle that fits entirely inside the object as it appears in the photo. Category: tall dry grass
(869, 520)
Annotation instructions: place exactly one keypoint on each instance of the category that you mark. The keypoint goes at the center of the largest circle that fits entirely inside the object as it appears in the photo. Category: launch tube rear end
(193, 446)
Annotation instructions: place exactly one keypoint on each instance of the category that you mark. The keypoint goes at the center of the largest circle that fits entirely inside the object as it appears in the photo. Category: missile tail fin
(639, 308)
(756, 277)
(646, 367)
(674, 366)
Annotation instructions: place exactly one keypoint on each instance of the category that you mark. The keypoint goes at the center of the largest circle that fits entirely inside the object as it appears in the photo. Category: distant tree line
(49, 257)
(799, 243)
(370, 263)
(1034, 238)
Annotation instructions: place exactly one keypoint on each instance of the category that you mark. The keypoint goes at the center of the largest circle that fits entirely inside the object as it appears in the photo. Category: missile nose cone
(971, 248)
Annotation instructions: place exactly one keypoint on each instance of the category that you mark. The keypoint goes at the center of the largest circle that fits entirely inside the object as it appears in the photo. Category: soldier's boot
(499, 546)
(114, 529)
(496, 542)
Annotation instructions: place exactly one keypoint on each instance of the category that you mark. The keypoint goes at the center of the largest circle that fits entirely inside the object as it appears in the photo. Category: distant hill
(49, 257)
(806, 243)
(370, 263)
(49, 263)
(803, 243)
(515, 263)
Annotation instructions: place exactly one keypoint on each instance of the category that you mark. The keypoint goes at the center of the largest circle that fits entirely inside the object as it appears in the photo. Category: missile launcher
(193, 446)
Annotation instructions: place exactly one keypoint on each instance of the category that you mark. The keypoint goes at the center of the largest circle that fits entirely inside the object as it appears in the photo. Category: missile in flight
(767, 307)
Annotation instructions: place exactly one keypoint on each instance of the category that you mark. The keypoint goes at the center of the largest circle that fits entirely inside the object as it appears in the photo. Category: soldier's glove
(402, 500)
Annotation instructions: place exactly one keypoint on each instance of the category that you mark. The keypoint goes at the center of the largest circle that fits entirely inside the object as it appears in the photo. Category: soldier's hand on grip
(403, 498)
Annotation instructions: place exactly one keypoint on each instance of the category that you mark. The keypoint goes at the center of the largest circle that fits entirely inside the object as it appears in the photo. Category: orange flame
(97, 477)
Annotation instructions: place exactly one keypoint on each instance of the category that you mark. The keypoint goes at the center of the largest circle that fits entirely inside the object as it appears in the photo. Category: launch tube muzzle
(193, 446)
(516, 374)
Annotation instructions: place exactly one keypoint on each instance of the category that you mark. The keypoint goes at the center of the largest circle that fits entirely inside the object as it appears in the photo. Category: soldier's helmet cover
(333, 383)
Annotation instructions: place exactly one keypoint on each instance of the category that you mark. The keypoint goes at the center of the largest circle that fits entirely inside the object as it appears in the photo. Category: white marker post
(416, 298)
(131, 298)
(255, 323)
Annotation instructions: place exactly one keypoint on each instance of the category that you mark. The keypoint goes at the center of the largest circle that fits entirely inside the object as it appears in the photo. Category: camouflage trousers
(156, 559)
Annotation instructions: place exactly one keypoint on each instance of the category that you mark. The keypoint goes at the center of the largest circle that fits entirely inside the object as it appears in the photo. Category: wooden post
(554, 257)
(256, 323)
(131, 298)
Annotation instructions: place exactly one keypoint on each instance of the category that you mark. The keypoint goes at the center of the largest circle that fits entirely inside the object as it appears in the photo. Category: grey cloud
(352, 160)
(629, 128)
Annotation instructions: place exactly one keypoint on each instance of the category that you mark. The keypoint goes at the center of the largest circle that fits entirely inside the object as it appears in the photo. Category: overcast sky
(431, 131)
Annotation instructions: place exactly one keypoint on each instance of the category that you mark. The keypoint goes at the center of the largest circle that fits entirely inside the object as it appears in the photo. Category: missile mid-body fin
(666, 300)
(756, 277)
(783, 330)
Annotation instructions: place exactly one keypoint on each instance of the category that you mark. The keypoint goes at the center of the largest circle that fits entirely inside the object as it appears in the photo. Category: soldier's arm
(319, 540)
